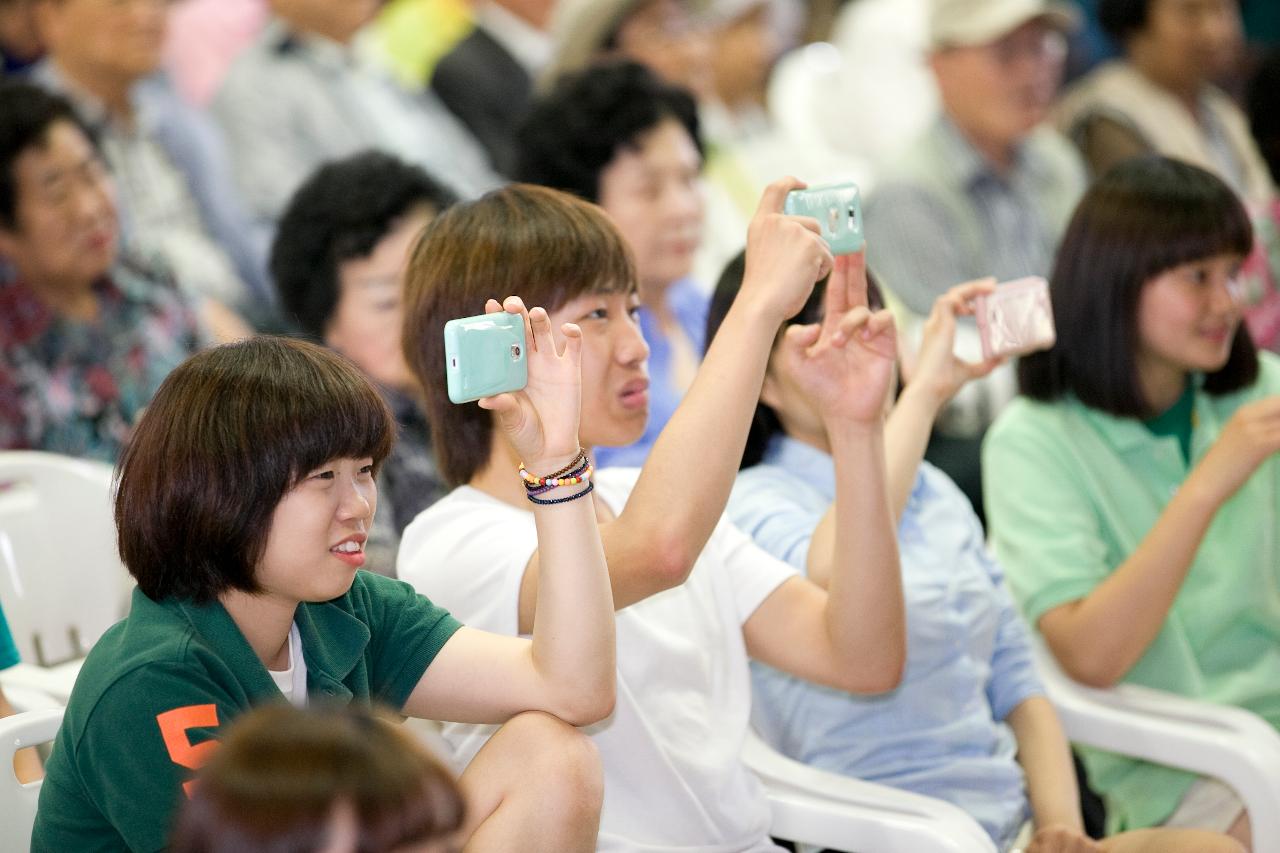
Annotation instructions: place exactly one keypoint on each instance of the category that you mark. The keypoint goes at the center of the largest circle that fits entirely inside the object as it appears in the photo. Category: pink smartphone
(1016, 318)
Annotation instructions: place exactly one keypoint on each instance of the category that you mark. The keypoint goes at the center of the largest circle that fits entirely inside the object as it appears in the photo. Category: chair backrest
(61, 580)
(18, 800)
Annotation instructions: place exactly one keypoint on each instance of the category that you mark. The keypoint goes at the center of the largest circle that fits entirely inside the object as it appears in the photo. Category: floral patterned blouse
(77, 388)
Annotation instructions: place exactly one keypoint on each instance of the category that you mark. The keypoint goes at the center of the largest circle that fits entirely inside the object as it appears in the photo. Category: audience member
(85, 339)
(970, 723)
(300, 95)
(26, 762)
(338, 261)
(1264, 111)
(168, 160)
(487, 80)
(695, 597)
(20, 44)
(1159, 97)
(1140, 457)
(331, 780)
(988, 183)
(618, 136)
(663, 35)
(242, 505)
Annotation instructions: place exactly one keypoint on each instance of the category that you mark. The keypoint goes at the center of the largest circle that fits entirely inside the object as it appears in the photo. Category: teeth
(348, 547)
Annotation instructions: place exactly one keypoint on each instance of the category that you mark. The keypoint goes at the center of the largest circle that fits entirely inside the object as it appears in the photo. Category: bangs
(1178, 214)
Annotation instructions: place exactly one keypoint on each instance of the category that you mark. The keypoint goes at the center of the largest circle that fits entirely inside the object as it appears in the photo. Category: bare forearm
(686, 480)
(906, 437)
(865, 611)
(1045, 757)
(573, 627)
(1100, 637)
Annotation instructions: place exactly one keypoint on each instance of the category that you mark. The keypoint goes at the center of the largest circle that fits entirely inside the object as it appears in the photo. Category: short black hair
(1144, 216)
(574, 131)
(230, 431)
(341, 213)
(27, 111)
(765, 423)
(1120, 19)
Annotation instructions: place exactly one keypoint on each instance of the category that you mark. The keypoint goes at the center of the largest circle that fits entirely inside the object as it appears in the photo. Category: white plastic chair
(816, 808)
(61, 580)
(1232, 744)
(17, 800)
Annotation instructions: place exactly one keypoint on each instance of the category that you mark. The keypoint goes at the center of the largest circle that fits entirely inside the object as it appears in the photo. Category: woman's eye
(322, 475)
(366, 469)
(597, 314)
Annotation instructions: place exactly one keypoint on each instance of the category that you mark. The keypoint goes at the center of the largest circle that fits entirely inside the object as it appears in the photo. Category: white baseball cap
(960, 23)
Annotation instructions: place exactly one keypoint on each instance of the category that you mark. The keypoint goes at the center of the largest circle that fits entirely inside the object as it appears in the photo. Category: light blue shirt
(689, 303)
(969, 659)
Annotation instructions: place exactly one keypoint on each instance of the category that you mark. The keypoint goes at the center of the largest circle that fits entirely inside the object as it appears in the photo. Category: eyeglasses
(1038, 45)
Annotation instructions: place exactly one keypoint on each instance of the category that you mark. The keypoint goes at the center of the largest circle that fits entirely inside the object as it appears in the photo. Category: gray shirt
(942, 215)
(292, 102)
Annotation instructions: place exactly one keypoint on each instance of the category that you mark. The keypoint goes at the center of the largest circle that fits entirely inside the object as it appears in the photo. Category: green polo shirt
(156, 689)
(1071, 492)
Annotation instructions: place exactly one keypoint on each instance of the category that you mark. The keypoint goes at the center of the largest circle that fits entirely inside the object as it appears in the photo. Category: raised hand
(1251, 436)
(541, 421)
(785, 255)
(934, 367)
(845, 363)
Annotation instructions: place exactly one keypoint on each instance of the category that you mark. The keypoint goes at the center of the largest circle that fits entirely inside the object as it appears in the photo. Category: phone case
(485, 355)
(1016, 319)
(838, 209)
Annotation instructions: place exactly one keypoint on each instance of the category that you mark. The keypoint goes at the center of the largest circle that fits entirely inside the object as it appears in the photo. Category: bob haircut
(542, 245)
(27, 113)
(275, 781)
(1143, 217)
(230, 431)
(765, 423)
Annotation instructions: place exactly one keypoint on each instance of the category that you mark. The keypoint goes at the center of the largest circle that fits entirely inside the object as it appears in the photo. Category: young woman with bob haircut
(969, 723)
(335, 779)
(244, 501)
(1136, 483)
(696, 598)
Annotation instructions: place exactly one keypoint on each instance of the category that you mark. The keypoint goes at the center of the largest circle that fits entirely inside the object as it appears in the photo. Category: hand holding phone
(485, 355)
(1016, 318)
(838, 209)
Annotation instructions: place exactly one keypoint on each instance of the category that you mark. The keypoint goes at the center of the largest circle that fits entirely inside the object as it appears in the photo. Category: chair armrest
(1232, 744)
(54, 681)
(812, 806)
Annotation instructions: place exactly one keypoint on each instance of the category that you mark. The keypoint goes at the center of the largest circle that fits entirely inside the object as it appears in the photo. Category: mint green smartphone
(485, 355)
(838, 209)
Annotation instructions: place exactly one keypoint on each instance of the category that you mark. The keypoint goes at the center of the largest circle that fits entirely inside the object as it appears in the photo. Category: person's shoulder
(1024, 416)
(919, 163)
(464, 526)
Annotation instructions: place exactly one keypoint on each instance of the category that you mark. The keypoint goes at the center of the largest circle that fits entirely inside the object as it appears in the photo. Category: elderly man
(168, 159)
(986, 190)
(300, 95)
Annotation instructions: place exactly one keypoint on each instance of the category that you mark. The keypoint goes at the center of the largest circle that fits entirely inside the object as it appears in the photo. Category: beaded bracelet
(582, 475)
(553, 501)
(579, 463)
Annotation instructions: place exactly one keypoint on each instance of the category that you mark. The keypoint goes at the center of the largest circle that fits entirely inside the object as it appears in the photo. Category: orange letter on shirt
(173, 728)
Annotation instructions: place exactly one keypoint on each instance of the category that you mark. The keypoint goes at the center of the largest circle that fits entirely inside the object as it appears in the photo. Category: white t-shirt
(293, 680)
(674, 779)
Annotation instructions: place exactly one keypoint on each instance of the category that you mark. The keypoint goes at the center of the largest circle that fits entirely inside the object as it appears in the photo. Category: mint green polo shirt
(1071, 492)
(155, 691)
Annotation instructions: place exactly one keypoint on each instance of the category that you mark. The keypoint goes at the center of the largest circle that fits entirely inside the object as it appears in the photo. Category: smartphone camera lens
(515, 352)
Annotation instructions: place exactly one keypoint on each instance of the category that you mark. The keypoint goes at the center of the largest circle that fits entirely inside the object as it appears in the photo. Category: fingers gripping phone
(485, 355)
(1016, 318)
(838, 209)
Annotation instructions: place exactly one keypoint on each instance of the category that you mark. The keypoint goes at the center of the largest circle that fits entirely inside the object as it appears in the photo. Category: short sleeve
(1013, 669)
(124, 772)
(8, 650)
(783, 528)
(406, 631)
(1043, 525)
(468, 553)
(752, 573)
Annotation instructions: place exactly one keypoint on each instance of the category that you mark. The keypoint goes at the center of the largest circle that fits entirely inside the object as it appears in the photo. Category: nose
(630, 348)
(358, 501)
(1227, 294)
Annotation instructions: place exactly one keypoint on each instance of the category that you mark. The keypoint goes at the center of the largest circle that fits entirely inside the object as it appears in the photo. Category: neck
(265, 621)
(1000, 154)
(498, 477)
(1186, 91)
(75, 301)
(1162, 385)
(111, 90)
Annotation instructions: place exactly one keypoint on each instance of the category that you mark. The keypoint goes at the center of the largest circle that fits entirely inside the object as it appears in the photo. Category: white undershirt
(292, 681)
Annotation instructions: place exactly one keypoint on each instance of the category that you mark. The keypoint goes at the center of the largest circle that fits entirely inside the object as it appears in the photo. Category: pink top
(204, 37)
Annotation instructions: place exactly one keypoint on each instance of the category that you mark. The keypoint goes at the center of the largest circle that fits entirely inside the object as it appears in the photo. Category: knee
(564, 761)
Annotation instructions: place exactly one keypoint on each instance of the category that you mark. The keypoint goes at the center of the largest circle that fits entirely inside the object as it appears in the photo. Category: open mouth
(350, 551)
